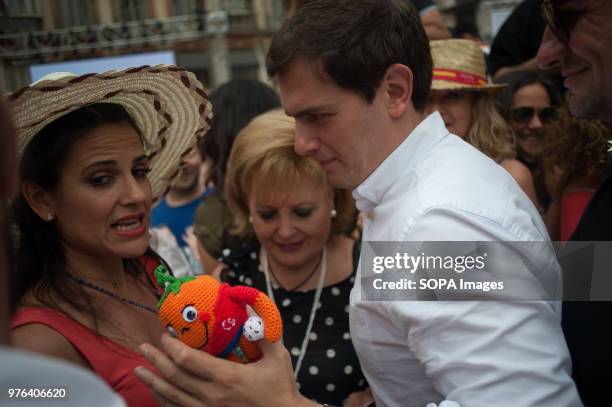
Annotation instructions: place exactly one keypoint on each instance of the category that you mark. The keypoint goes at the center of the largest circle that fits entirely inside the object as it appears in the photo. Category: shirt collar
(403, 159)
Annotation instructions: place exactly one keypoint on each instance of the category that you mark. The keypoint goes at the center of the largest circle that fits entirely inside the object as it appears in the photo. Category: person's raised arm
(434, 25)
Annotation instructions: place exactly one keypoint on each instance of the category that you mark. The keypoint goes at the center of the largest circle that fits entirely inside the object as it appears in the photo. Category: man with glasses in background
(578, 43)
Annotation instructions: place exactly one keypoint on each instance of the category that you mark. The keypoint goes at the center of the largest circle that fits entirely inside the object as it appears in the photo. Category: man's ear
(398, 89)
(39, 200)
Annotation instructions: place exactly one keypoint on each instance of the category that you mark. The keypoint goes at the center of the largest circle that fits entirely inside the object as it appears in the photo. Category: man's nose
(304, 143)
(551, 51)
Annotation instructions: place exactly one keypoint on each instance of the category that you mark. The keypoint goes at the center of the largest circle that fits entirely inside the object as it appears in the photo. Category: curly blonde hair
(263, 159)
(490, 133)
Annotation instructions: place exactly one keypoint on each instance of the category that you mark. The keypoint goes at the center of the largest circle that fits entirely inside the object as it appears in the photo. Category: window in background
(76, 13)
(131, 10)
(185, 7)
(23, 8)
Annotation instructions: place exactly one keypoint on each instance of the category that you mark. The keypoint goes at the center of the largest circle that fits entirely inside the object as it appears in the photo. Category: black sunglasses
(551, 17)
(525, 114)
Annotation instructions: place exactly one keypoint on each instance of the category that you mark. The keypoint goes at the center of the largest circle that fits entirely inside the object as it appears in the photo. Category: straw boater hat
(459, 65)
(167, 103)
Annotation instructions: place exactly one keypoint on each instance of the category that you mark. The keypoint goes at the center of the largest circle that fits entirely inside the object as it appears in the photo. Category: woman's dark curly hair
(578, 147)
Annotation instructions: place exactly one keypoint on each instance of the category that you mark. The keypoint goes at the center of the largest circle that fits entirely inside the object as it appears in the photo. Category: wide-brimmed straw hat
(167, 103)
(459, 64)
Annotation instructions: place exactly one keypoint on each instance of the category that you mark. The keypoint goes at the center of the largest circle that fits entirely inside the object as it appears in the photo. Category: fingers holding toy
(201, 364)
(210, 316)
(195, 378)
(171, 375)
(212, 332)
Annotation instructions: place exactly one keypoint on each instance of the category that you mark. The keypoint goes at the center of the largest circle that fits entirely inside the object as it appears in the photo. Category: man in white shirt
(356, 82)
(355, 75)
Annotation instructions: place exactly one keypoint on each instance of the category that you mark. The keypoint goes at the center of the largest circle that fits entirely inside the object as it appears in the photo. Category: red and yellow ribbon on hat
(463, 78)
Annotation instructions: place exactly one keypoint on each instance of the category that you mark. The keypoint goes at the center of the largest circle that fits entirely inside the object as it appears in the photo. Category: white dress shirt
(436, 187)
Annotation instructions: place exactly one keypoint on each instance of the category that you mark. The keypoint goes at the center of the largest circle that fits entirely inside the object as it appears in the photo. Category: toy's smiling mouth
(206, 336)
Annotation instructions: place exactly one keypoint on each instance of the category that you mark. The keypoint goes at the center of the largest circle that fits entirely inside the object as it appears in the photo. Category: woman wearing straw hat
(95, 151)
(464, 98)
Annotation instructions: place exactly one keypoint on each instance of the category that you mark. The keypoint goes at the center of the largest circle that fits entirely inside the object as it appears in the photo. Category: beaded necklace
(113, 294)
(313, 310)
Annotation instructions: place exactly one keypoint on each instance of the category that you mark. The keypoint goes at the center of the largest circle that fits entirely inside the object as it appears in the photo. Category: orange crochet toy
(208, 315)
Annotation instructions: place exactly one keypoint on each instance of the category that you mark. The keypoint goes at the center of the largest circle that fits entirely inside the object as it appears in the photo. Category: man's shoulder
(467, 182)
(457, 164)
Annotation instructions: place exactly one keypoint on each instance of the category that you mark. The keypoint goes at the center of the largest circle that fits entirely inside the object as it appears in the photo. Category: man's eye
(303, 212)
(317, 117)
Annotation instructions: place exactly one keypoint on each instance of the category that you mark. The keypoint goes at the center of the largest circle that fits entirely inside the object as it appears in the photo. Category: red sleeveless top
(573, 205)
(111, 361)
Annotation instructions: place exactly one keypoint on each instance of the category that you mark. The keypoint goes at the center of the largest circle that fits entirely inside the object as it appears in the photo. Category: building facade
(216, 39)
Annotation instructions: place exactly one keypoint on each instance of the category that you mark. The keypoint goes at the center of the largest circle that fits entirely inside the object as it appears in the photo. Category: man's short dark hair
(356, 41)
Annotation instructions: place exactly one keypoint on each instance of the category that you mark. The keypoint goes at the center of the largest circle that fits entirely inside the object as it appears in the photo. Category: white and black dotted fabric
(330, 370)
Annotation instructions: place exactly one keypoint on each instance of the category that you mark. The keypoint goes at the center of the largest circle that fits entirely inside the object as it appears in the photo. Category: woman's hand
(359, 398)
(192, 378)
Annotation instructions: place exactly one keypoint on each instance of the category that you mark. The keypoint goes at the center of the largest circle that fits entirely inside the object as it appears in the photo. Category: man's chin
(587, 107)
(342, 182)
(185, 187)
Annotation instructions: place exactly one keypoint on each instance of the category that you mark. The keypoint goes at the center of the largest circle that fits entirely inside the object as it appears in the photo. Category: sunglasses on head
(551, 17)
(525, 114)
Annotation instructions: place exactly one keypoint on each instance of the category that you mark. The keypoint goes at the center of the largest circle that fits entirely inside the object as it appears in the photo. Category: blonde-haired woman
(466, 101)
(303, 259)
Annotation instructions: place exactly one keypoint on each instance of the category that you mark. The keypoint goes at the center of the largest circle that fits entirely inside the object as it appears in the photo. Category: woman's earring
(334, 213)
(50, 217)
(250, 219)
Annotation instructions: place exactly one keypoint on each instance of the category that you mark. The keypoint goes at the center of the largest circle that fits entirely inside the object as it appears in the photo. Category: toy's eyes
(190, 313)
(171, 331)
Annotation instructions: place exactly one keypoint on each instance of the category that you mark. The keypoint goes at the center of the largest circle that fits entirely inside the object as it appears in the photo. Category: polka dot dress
(330, 370)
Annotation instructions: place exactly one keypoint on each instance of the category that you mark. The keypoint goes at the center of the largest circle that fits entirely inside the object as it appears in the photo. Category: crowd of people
(383, 129)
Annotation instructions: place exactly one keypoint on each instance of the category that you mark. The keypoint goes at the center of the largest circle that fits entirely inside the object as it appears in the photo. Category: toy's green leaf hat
(172, 284)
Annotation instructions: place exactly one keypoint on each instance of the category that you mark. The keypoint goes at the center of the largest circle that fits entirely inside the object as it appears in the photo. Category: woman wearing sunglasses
(466, 102)
(530, 103)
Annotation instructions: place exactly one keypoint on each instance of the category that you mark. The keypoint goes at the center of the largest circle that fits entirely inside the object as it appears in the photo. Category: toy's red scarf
(230, 315)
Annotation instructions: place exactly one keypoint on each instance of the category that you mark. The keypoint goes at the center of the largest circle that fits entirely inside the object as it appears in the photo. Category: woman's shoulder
(517, 169)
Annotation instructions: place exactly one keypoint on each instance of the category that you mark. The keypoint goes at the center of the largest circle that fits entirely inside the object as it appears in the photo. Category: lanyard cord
(313, 310)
